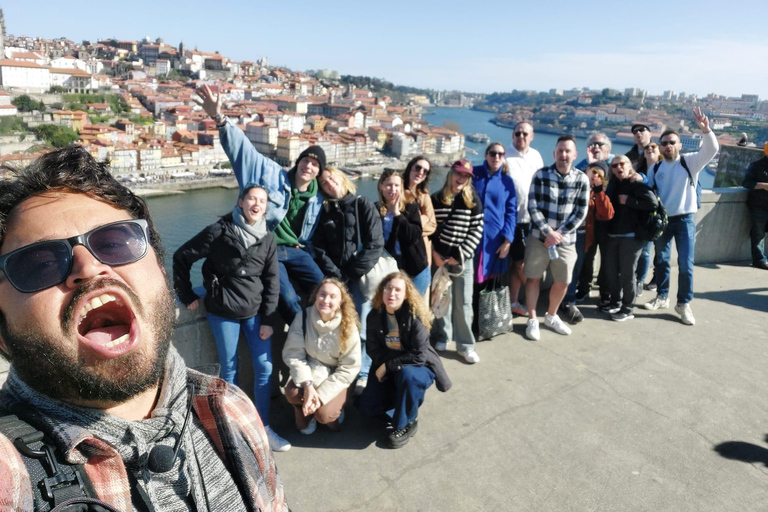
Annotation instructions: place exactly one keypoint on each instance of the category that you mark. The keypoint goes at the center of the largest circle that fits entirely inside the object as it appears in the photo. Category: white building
(24, 76)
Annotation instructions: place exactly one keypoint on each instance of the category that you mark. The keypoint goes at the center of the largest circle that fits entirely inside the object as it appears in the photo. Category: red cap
(463, 166)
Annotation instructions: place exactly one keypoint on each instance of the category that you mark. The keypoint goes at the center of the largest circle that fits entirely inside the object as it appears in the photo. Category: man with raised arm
(294, 202)
(523, 162)
(675, 178)
(86, 319)
(557, 202)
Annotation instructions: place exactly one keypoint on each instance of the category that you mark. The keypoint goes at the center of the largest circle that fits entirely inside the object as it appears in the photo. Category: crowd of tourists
(392, 283)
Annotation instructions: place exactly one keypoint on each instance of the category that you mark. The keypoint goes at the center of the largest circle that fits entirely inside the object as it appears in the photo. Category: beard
(44, 363)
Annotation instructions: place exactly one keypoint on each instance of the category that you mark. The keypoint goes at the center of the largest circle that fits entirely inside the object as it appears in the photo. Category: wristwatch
(306, 384)
(220, 119)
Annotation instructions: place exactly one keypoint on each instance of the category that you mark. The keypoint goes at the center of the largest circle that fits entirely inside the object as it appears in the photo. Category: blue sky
(481, 46)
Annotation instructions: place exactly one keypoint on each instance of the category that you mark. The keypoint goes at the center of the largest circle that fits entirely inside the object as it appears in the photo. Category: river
(180, 217)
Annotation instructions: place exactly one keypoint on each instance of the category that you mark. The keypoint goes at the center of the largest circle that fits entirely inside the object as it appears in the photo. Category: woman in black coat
(630, 198)
(242, 284)
(404, 362)
(401, 223)
(348, 242)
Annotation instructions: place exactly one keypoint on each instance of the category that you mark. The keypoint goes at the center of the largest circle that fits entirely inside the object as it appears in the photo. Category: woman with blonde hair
(629, 196)
(416, 184)
(405, 363)
(348, 242)
(322, 351)
(401, 223)
(459, 216)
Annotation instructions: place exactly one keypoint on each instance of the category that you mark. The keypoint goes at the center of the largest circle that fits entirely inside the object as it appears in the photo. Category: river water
(180, 217)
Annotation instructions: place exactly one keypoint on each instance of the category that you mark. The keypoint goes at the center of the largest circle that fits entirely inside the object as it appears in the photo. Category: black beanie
(315, 152)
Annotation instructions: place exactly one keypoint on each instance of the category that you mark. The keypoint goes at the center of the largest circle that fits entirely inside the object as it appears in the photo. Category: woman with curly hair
(416, 184)
(322, 351)
(405, 363)
(401, 223)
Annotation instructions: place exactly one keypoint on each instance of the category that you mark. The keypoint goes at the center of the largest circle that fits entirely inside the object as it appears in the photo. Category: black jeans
(620, 264)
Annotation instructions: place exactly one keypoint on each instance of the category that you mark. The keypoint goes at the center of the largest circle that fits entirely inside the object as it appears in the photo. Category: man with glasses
(642, 136)
(523, 162)
(676, 186)
(86, 319)
(598, 150)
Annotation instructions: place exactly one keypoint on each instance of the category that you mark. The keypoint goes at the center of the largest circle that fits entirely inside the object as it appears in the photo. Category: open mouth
(106, 322)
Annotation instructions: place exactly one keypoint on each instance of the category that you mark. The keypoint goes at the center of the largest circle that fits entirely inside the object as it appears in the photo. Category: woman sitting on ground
(242, 283)
(459, 216)
(629, 196)
(405, 363)
(322, 351)
(401, 223)
(416, 184)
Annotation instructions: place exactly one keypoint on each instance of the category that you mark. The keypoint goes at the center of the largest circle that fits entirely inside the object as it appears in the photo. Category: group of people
(87, 315)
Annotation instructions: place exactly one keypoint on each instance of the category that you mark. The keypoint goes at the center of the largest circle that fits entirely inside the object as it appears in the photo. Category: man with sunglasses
(676, 186)
(642, 136)
(598, 150)
(523, 162)
(86, 319)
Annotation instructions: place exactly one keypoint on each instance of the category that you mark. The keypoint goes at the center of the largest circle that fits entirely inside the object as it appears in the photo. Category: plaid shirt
(228, 417)
(558, 202)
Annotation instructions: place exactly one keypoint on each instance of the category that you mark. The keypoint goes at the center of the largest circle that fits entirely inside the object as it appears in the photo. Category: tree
(26, 104)
(56, 136)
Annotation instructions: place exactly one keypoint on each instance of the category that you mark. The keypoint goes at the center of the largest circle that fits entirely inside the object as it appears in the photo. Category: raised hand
(211, 103)
(701, 119)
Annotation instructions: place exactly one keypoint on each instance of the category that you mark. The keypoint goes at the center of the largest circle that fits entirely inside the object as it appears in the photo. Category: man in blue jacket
(294, 202)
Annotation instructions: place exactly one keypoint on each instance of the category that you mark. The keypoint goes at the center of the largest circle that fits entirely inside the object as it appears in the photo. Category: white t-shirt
(522, 167)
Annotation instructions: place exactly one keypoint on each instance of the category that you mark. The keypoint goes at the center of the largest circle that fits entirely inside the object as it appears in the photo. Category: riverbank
(180, 187)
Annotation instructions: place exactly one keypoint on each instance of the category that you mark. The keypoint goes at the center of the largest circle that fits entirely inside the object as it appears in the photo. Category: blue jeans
(581, 242)
(363, 307)
(644, 263)
(226, 332)
(758, 219)
(399, 396)
(683, 229)
(422, 279)
(456, 325)
(297, 264)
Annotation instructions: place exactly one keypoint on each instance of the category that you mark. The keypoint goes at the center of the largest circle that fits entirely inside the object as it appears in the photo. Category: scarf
(248, 234)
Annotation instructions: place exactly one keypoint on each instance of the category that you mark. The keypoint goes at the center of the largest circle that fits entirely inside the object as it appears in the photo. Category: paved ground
(647, 415)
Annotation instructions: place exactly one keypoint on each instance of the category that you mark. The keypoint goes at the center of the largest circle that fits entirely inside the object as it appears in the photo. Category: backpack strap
(682, 162)
(54, 481)
(304, 321)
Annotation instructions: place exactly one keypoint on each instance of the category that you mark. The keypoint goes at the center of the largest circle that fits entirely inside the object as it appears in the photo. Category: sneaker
(310, 428)
(470, 356)
(651, 287)
(572, 313)
(581, 295)
(554, 322)
(658, 303)
(532, 330)
(441, 346)
(519, 309)
(639, 289)
(761, 264)
(360, 384)
(277, 443)
(399, 437)
(605, 300)
(686, 315)
(623, 315)
(610, 308)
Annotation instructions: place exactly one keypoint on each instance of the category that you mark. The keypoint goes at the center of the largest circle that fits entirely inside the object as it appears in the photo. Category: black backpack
(56, 484)
(651, 224)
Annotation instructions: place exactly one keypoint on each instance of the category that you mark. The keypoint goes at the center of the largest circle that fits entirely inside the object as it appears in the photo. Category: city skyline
(654, 46)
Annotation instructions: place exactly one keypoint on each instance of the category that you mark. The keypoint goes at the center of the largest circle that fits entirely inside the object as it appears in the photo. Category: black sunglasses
(668, 142)
(598, 144)
(521, 134)
(418, 168)
(494, 154)
(47, 263)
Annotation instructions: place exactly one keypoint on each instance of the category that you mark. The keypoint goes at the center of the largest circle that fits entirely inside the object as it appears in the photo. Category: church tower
(2, 35)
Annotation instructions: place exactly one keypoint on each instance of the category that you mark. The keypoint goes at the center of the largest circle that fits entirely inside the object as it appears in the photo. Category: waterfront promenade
(633, 416)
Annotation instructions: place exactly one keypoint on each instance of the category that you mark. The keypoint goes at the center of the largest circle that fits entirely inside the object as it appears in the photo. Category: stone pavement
(646, 415)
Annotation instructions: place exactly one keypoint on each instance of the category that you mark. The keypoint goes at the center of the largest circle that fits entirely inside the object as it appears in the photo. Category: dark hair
(424, 185)
(251, 187)
(669, 131)
(72, 169)
(564, 138)
(487, 149)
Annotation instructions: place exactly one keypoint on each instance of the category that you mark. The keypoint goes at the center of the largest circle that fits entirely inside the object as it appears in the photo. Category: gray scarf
(248, 234)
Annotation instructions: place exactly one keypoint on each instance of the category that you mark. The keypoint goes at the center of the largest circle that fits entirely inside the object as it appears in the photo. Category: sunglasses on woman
(48, 263)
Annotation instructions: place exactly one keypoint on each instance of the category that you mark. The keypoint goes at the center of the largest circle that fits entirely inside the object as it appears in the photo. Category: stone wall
(732, 164)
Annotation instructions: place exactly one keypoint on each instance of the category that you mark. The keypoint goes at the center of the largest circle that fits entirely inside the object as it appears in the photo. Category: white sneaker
(277, 443)
(554, 322)
(519, 309)
(658, 303)
(309, 430)
(441, 346)
(686, 314)
(532, 330)
(470, 356)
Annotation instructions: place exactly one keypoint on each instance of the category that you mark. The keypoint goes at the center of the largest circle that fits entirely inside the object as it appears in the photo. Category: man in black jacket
(756, 181)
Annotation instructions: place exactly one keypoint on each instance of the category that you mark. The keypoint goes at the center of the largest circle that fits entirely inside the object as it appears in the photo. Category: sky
(481, 46)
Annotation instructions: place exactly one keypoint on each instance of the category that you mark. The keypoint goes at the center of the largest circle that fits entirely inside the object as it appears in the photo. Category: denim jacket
(252, 168)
